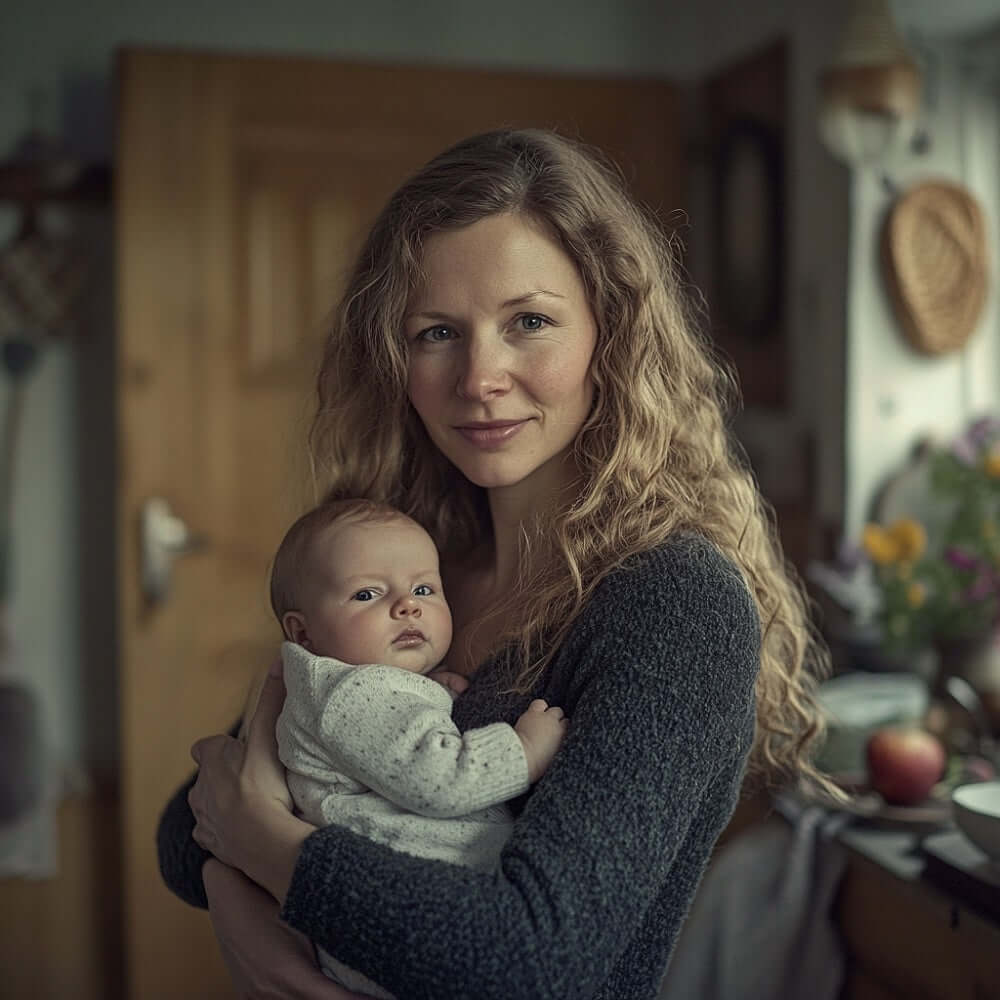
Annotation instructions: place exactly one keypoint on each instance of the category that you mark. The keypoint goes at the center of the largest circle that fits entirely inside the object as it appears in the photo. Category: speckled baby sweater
(374, 749)
(657, 677)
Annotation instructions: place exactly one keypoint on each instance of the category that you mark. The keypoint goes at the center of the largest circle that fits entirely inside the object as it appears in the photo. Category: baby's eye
(364, 595)
(532, 322)
(423, 590)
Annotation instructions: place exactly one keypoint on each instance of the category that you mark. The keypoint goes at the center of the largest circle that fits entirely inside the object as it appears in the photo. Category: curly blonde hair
(655, 456)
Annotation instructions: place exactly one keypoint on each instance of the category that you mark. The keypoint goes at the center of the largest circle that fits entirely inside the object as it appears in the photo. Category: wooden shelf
(26, 183)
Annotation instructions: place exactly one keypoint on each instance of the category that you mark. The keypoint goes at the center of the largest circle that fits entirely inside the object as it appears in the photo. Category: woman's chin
(544, 477)
(491, 479)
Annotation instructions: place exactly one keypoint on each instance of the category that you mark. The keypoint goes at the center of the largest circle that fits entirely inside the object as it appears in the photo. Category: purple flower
(960, 559)
(983, 430)
(965, 450)
(982, 586)
(970, 444)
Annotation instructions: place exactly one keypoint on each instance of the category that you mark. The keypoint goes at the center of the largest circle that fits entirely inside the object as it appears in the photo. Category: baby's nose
(407, 607)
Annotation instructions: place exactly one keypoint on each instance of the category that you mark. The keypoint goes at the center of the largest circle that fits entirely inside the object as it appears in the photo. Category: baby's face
(374, 595)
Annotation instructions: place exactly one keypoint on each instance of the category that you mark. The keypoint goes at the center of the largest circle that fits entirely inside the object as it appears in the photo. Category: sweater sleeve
(664, 658)
(180, 858)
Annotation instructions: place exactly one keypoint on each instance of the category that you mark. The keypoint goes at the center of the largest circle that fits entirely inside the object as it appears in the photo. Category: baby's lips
(411, 633)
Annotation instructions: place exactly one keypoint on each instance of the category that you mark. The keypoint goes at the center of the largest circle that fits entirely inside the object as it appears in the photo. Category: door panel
(243, 187)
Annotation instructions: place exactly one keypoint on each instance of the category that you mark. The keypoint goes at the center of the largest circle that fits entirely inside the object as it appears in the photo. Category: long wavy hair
(654, 456)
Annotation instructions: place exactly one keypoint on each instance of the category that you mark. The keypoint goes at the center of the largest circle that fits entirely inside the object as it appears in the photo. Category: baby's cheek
(446, 633)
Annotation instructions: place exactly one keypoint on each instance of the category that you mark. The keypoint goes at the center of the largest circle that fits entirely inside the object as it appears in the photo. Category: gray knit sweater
(657, 678)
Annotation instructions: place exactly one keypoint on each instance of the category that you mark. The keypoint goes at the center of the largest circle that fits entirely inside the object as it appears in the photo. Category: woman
(513, 365)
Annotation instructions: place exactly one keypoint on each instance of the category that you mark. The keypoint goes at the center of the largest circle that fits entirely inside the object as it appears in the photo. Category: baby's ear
(293, 624)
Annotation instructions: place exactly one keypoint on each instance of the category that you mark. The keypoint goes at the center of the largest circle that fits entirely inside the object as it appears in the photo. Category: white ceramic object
(857, 704)
(976, 809)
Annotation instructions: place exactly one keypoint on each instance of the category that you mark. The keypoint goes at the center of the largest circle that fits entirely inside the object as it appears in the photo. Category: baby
(366, 737)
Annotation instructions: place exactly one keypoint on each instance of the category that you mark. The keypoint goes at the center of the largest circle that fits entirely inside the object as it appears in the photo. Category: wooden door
(243, 186)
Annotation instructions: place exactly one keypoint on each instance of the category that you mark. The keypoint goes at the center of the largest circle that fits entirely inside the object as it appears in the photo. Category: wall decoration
(750, 247)
(935, 259)
(744, 125)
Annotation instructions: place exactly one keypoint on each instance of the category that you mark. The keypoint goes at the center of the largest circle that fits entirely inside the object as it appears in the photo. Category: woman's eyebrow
(427, 314)
(530, 297)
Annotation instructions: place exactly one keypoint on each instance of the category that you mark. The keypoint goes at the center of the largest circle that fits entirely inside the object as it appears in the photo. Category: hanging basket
(935, 259)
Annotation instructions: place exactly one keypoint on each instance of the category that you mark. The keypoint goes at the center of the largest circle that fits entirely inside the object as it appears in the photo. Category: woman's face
(500, 342)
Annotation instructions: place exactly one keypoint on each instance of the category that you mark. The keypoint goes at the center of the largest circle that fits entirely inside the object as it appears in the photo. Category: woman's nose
(406, 606)
(485, 370)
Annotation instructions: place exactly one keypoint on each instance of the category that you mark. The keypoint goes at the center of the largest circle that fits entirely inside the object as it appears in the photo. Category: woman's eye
(436, 334)
(423, 590)
(532, 322)
(364, 595)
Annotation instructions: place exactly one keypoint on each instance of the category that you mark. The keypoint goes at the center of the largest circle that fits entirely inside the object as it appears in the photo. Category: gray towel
(761, 927)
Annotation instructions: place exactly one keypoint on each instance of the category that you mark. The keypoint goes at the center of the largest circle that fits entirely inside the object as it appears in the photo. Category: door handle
(164, 536)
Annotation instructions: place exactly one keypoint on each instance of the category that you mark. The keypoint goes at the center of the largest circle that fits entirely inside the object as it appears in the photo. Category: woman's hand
(453, 683)
(264, 957)
(240, 801)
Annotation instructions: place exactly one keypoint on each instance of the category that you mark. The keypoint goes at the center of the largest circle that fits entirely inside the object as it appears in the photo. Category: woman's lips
(491, 435)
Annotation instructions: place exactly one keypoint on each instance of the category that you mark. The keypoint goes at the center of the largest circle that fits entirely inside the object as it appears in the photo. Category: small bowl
(976, 809)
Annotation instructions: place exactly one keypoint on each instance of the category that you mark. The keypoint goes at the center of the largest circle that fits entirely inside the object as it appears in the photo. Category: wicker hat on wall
(935, 258)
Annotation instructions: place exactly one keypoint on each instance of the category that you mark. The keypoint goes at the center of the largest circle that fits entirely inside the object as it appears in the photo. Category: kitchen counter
(906, 936)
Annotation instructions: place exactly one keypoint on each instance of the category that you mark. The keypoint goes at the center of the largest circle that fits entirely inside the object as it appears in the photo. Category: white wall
(894, 394)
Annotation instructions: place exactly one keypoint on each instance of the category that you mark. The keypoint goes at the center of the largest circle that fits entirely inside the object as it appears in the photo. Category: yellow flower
(911, 538)
(916, 594)
(881, 547)
(902, 542)
(992, 463)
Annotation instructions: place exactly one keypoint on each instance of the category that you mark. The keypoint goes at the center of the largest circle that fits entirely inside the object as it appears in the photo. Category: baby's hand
(541, 729)
(454, 683)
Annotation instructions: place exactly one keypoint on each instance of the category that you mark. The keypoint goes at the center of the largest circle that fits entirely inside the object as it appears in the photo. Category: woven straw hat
(935, 259)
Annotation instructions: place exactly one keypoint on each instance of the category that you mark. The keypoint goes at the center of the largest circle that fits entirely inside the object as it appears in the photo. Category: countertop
(908, 935)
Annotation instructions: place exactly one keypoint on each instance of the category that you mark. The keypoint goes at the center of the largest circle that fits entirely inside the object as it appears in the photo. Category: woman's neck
(505, 564)
(514, 511)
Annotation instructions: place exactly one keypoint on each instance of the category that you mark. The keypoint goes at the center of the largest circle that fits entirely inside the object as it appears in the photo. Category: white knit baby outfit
(373, 748)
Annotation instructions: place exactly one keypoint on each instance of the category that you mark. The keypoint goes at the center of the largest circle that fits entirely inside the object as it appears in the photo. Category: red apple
(904, 763)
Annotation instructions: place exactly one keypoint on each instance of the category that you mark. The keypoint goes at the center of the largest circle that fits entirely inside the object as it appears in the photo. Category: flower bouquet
(940, 580)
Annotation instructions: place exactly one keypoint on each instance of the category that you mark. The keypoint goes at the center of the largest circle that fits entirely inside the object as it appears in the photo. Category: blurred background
(180, 188)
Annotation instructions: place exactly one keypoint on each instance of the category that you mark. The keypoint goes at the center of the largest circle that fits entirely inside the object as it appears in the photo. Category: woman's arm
(244, 803)
(264, 957)
(181, 859)
(240, 802)
(619, 829)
